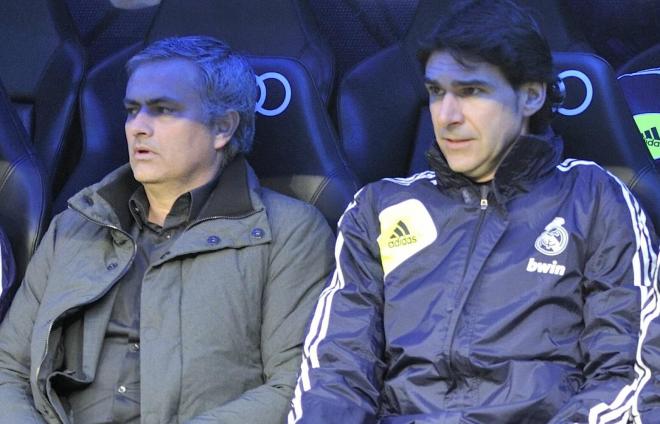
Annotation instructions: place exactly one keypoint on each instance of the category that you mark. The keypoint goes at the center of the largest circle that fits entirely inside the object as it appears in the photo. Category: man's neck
(160, 203)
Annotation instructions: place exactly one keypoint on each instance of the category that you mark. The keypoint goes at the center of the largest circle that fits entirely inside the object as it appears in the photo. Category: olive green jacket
(222, 313)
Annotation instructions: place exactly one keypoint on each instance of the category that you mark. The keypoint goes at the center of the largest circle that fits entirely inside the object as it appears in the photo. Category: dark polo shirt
(114, 395)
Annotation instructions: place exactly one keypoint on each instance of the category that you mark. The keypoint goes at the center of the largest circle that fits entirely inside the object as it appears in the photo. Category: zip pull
(484, 197)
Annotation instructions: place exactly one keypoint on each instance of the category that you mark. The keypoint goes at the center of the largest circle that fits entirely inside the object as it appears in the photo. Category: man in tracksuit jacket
(501, 286)
(177, 289)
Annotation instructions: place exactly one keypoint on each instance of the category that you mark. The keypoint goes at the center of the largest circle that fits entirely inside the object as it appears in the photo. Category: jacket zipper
(209, 218)
(112, 227)
(50, 326)
(483, 207)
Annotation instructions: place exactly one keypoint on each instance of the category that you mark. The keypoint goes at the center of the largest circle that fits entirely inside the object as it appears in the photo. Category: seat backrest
(295, 152)
(647, 59)
(256, 27)
(41, 66)
(107, 26)
(597, 124)
(24, 199)
(358, 29)
(640, 81)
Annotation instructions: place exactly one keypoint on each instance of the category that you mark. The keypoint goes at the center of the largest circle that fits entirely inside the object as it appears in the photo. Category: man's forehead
(170, 78)
(443, 65)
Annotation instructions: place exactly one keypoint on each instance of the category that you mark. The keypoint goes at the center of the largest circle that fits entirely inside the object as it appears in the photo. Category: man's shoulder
(286, 210)
(380, 193)
(590, 176)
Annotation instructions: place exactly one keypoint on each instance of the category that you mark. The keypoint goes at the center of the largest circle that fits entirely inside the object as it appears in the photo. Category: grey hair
(228, 82)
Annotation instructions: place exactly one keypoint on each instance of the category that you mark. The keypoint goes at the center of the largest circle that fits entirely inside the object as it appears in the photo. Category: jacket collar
(531, 158)
(108, 201)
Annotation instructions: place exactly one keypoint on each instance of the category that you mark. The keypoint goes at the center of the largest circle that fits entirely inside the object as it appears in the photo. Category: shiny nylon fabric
(481, 326)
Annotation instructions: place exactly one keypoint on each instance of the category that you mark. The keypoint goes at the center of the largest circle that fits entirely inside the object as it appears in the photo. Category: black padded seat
(605, 132)
(640, 81)
(24, 211)
(295, 151)
(647, 59)
(41, 67)
(265, 28)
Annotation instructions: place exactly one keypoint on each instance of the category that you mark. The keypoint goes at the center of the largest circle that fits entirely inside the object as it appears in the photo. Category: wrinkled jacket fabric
(222, 312)
(7, 274)
(530, 299)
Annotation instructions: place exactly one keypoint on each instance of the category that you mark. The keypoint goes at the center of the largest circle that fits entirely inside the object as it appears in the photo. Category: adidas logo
(401, 236)
(651, 137)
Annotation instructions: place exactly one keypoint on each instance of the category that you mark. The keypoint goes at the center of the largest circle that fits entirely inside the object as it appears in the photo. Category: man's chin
(144, 177)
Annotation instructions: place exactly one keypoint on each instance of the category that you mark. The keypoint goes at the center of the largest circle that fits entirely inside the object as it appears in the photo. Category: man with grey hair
(177, 289)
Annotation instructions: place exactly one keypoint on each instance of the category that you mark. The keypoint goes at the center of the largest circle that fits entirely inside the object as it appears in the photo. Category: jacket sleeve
(342, 369)
(16, 402)
(7, 275)
(301, 260)
(620, 338)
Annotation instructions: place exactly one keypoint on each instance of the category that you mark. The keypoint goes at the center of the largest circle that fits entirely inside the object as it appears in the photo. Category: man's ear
(224, 128)
(532, 97)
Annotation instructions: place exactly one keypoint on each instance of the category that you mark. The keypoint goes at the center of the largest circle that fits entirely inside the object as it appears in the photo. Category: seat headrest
(296, 151)
(595, 120)
(642, 92)
(31, 33)
(269, 28)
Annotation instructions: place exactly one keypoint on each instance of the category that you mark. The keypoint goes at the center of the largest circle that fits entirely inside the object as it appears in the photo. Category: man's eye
(471, 91)
(434, 90)
(164, 110)
(131, 110)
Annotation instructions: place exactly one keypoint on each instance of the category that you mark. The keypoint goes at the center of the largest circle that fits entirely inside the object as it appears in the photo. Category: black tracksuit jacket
(529, 299)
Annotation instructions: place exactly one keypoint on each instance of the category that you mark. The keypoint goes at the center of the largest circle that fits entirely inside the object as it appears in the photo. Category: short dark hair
(227, 83)
(502, 34)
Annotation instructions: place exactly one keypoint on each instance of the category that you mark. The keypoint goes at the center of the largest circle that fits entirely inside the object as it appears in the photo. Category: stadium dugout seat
(647, 59)
(41, 67)
(640, 81)
(255, 27)
(605, 131)
(296, 151)
(24, 212)
(595, 122)
(357, 29)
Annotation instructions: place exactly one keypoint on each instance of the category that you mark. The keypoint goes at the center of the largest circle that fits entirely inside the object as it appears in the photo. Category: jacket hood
(107, 201)
(531, 157)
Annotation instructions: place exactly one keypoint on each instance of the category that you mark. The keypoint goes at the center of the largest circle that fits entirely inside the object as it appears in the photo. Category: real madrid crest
(554, 239)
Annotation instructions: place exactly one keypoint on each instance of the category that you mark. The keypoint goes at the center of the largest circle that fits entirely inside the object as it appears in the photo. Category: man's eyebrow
(471, 83)
(460, 83)
(149, 102)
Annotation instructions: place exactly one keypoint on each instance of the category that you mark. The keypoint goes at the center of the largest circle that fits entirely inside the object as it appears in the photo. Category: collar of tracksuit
(531, 158)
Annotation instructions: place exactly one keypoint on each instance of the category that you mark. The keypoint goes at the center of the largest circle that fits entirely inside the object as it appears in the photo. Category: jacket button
(111, 266)
(213, 240)
(258, 233)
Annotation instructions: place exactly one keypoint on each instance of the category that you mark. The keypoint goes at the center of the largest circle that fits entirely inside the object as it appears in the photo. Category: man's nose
(139, 125)
(449, 110)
